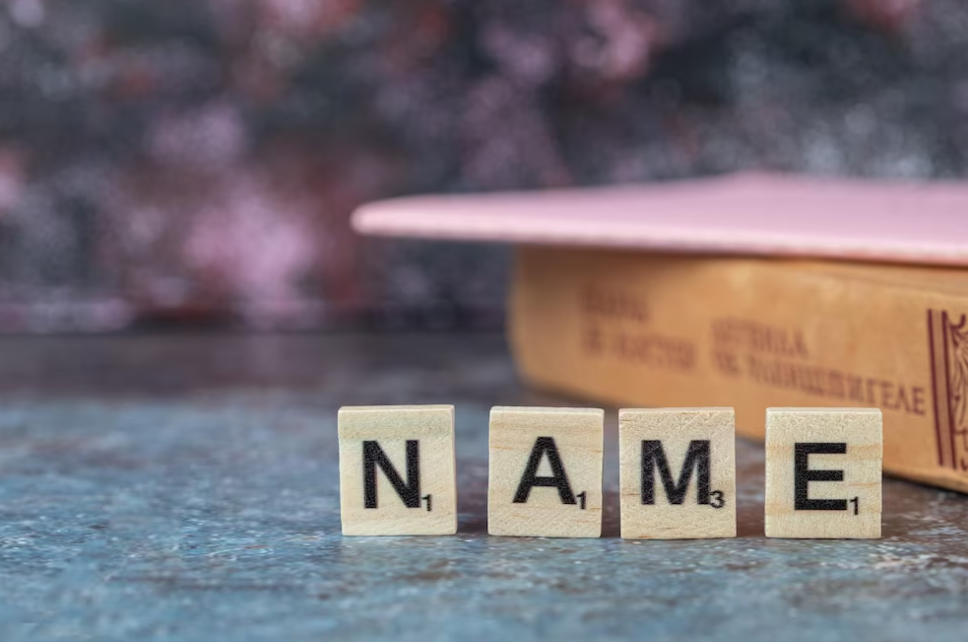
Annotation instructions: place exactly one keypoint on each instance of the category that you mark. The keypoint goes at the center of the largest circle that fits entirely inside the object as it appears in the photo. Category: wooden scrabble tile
(677, 472)
(396, 470)
(823, 472)
(545, 476)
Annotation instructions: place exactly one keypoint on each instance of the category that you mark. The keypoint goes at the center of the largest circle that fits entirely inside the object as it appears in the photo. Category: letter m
(697, 456)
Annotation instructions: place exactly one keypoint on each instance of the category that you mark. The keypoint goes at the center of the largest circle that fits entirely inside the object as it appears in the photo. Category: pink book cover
(751, 214)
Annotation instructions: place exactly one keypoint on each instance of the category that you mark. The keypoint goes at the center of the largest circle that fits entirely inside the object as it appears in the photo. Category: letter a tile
(823, 472)
(396, 470)
(678, 473)
(545, 476)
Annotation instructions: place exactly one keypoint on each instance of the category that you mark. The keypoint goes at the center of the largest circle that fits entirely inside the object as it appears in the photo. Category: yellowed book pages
(665, 330)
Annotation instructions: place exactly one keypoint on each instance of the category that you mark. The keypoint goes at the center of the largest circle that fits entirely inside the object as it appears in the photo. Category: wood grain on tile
(545, 476)
(823, 472)
(397, 470)
(678, 473)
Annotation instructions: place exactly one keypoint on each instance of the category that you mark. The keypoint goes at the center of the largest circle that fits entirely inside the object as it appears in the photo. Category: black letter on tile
(374, 456)
(697, 456)
(802, 475)
(544, 446)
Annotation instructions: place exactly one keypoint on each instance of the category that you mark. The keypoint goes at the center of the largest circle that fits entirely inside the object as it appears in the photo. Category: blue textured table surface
(186, 488)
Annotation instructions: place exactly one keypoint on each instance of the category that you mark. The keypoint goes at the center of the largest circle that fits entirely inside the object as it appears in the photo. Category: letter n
(374, 456)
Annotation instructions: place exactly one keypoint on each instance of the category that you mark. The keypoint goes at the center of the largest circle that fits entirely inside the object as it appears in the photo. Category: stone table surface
(186, 488)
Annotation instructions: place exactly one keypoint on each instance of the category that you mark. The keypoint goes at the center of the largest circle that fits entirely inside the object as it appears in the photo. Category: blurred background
(184, 163)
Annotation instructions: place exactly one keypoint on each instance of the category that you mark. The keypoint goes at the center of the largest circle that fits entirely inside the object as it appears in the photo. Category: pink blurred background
(194, 162)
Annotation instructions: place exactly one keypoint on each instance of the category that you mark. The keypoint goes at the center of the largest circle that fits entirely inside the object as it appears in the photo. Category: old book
(641, 305)
(666, 330)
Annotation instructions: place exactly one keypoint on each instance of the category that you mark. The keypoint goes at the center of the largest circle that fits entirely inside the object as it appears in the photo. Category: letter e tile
(823, 472)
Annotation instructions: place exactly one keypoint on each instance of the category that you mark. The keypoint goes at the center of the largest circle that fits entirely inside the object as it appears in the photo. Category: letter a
(559, 479)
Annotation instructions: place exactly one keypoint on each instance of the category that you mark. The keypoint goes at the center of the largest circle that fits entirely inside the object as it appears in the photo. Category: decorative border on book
(948, 346)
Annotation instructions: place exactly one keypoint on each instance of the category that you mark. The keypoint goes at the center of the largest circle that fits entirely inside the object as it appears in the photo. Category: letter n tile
(397, 471)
